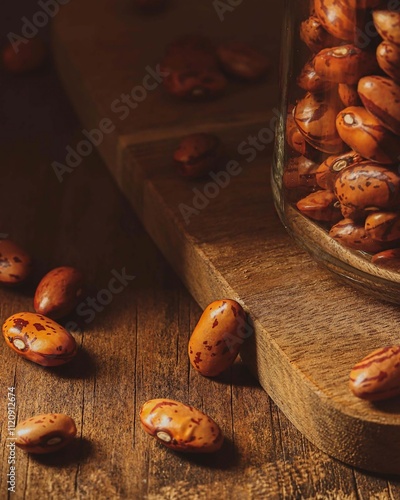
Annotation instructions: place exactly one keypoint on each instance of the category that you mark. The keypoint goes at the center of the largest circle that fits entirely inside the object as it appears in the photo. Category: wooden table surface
(135, 348)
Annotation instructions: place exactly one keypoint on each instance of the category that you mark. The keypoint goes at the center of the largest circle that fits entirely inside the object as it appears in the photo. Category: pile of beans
(344, 128)
(197, 70)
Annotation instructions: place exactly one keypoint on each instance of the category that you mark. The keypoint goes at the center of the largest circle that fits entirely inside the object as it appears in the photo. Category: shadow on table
(77, 451)
(226, 458)
(82, 366)
(239, 375)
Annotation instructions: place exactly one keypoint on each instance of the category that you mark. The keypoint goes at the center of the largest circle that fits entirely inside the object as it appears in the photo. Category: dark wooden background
(135, 349)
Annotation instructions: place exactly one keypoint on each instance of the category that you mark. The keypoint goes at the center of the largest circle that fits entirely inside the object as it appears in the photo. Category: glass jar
(336, 176)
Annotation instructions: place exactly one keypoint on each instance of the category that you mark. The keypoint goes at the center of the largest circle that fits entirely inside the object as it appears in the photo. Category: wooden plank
(309, 330)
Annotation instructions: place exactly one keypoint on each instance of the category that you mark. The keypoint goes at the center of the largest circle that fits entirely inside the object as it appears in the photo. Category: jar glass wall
(336, 180)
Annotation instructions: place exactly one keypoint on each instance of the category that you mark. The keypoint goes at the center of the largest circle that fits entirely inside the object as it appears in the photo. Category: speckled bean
(345, 64)
(377, 376)
(381, 96)
(180, 427)
(217, 337)
(368, 186)
(320, 206)
(45, 433)
(353, 235)
(39, 339)
(365, 134)
(15, 263)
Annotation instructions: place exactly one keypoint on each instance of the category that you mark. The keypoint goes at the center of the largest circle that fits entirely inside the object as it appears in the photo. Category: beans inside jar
(342, 128)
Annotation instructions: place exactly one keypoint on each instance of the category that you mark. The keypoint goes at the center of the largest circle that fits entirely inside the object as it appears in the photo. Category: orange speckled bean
(320, 206)
(364, 133)
(39, 339)
(300, 172)
(328, 171)
(45, 433)
(310, 80)
(381, 96)
(388, 57)
(315, 36)
(389, 259)
(15, 263)
(345, 64)
(367, 186)
(180, 427)
(337, 17)
(383, 226)
(217, 337)
(387, 24)
(377, 376)
(348, 94)
(353, 235)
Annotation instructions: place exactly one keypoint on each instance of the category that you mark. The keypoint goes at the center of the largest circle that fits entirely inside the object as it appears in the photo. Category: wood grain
(136, 347)
(309, 330)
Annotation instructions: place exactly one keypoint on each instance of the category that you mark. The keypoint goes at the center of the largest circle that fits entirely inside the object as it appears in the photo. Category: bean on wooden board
(15, 263)
(243, 61)
(39, 339)
(217, 337)
(377, 376)
(180, 427)
(58, 292)
(45, 433)
(197, 154)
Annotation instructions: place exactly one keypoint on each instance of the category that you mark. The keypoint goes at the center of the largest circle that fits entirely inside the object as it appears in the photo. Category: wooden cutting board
(309, 329)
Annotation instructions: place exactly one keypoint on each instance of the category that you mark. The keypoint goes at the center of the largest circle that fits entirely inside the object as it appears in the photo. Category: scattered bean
(180, 427)
(15, 263)
(45, 433)
(197, 154)
(39, 339)
(377, 376)
(58, 292)
(217, 337)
